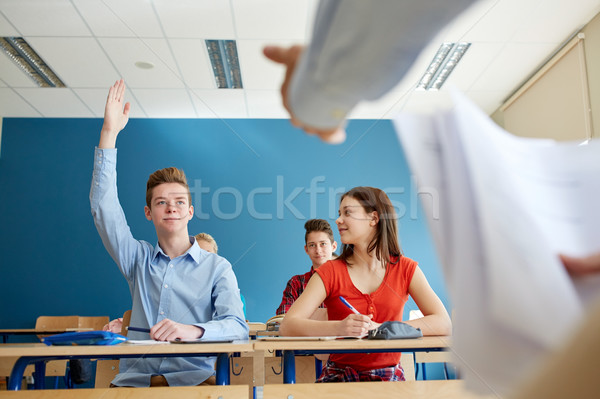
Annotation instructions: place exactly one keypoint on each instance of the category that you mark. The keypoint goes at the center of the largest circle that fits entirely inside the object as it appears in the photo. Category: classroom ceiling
(91, 43)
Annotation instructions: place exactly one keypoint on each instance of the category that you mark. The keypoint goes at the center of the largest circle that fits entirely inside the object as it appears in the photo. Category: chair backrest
(94, 322)
(56, 368)
(126, 320)
(56, 322)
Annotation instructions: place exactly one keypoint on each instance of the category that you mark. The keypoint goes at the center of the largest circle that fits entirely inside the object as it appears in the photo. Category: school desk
(40, 353)
(301, 346)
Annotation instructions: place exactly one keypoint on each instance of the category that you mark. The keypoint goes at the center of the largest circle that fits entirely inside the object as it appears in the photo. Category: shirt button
(171, 266)
(166, 286)
(162, 312)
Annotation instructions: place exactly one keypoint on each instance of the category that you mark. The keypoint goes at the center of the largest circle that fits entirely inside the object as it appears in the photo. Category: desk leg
(318, 367)
(39, 375)
(16, 375)
(258, 368)
(223, 369)
(289, 367)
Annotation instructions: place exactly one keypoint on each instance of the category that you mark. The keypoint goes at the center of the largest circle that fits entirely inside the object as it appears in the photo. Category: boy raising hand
(178, 290)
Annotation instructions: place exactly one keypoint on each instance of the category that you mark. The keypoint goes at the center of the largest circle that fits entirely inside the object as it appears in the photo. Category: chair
(421, 358)
(106, 370)
(94, 322)
(57, 368)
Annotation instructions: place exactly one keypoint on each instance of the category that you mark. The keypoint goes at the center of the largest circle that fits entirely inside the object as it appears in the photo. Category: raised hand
(116, 115)
(289, 57)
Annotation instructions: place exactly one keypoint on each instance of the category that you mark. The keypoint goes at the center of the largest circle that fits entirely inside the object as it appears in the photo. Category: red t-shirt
(385, 303)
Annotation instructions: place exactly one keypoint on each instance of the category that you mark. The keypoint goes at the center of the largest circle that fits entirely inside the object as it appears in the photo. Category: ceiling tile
(118, 18)
(12, 75)
(13, 105)
(257, 71)
(477, 58)
(203, 19)
(44, 17)
(504, 18)
(165, 103)
(265, 104)
(6, 28)
(552, 13)
(95, 99)
(512, 66)
(56, 103)
(192, 57)
(126, 52)
(272, 20)
(220, 103)
(91, 67)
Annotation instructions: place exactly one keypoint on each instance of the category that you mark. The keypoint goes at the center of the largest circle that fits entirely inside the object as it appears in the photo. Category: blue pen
(345, 302)
(139, 329)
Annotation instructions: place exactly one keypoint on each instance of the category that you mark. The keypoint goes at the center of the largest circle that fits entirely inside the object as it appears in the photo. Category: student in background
(320, 246)
(376, 279)
(178, 290)
(207, 242)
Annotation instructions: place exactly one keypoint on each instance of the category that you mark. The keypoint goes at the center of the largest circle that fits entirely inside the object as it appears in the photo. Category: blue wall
(53, 262)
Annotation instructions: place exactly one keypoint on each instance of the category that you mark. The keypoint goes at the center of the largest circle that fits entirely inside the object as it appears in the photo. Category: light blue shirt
(359, 51)
(196, 288)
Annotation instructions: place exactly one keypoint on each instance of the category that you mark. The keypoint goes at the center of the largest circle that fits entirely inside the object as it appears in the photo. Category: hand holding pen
(355, 324)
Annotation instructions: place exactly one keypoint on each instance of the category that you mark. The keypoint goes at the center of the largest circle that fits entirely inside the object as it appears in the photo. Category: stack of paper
(501, 208)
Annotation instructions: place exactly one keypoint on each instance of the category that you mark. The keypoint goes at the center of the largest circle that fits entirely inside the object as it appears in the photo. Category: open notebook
(500, 209)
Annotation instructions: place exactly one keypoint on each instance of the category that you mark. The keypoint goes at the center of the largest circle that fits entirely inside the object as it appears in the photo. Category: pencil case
(85, 338)
(395, 330)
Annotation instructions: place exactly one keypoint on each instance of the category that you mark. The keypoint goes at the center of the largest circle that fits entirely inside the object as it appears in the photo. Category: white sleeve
(360, 50)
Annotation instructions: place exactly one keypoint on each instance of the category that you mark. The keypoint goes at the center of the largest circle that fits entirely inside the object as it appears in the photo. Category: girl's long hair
(385, 241)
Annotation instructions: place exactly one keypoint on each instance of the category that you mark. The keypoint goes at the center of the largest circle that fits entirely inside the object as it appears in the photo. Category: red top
(385, 303)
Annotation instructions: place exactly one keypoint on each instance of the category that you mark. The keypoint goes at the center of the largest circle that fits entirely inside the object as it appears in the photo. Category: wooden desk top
(18, 350)
(432, 342)
(256, 327)
(207, 391)
(439, 389)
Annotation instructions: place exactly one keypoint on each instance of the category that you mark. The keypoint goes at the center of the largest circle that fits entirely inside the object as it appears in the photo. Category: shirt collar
(193, 251)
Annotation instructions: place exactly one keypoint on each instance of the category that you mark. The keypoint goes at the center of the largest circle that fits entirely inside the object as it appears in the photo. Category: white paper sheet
(145, 342)
(506, 207)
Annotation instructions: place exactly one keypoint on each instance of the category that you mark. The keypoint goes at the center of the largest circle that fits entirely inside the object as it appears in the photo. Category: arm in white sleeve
(359, 51)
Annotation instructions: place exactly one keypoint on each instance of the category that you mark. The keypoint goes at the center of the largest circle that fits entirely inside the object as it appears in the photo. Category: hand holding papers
(502, 209)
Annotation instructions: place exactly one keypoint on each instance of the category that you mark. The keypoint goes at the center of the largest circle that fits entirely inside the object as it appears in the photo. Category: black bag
(80, 370)
(395, 330)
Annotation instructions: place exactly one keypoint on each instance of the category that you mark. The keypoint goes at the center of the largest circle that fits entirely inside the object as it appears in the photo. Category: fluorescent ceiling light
(443, 63)
(19, 51)
(225, 63)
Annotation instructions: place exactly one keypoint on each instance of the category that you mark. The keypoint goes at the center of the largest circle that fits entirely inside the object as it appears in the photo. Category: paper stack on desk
(500, 209)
